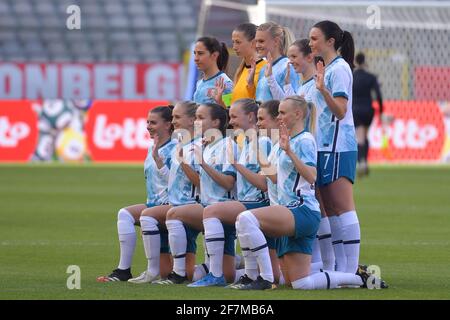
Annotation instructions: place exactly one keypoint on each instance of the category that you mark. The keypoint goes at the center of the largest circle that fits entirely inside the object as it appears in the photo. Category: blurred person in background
(364, 84)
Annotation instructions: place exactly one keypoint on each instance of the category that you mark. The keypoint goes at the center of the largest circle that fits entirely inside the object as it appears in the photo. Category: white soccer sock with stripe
(352, 238)
(151, 238)
(316, 259)
(258, 244)
(178, 243)
(338, 246)
(326, 247)
(127, 238)
(206, 255)
(251, 265)
(327, 280)
(215, 242)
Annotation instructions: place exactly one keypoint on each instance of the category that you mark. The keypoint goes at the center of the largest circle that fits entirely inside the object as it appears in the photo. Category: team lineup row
(264, 187)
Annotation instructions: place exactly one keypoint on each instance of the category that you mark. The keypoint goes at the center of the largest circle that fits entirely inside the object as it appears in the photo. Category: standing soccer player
(211, 57)
(247, 74)
(336, 139)
(272, 42)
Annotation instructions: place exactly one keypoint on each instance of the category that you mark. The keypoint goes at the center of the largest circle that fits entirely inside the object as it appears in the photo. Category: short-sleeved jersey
(307, 89)
(155, 179)
(181, 189)
(335, 135)
(272, 187)
(204, 90)
(263, 92)
(293, 189)
(249, 159)
(216, 156)
(240, 90)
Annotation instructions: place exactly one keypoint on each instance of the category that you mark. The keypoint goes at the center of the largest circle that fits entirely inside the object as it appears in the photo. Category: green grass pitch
(53, 216)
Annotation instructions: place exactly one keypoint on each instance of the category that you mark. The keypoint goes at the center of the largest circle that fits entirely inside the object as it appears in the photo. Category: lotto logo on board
(117, 131)
(414, 132)
(18, 131)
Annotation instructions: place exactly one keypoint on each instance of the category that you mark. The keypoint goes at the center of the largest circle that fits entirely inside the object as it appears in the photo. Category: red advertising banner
(18, 131)
(117, 130)
(415, 132)
(101, 81)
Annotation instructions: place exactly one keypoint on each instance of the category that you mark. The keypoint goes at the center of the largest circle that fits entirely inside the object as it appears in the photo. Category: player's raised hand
(268, 71)
(284, 138)
(220, 88)
(287, 78)
(155, 153)
(198, 153)
(230, 152)
(320, 76)
(179, 149)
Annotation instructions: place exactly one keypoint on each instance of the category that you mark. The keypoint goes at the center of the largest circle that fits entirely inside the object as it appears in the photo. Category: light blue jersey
(293, 189)
(248, 158)
(272, 187)
(335, 135)
(307, 89)
(204, 90)
(216, 156)
(181, 189)
(155, 179)
(263, 91)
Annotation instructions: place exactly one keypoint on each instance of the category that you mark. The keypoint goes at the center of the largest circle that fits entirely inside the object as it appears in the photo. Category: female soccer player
(247, 73)
(302, 60)
(336, 140)
(181, 191)
(297, 217)
(159, 154)
(251, 193)
(211, 57)
(272, 42)
(216, 181)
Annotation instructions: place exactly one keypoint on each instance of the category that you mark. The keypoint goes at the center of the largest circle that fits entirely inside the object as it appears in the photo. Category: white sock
(127, 238)
(336, 237)
(151, 238)
(258, 244)
(326, 247)
(177, 243)
(215, 242)
(352, 238)
(200, 270)
(327, 280)
(206, 254)
(316, 259)
(238, 274)
(251, 265)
